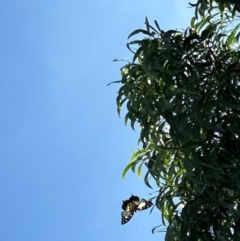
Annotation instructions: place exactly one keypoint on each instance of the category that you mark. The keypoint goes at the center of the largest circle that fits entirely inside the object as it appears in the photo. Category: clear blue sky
(62, 145)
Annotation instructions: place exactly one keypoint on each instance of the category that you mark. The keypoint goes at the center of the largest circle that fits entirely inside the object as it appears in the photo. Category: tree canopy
(182, 90)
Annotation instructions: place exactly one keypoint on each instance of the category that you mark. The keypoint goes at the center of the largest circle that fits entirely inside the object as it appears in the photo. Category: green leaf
(190, 144)
(205, 34)
(136, 55)
(219, 126)
(146, 179)
(126, 118)
(132, 124)
(140, 169)
(113, 82)
(147, 25)
(126, 169)
(130, 165)
(232, 37)
(192, 22)
(116, 60)
(139, 31)
(155, 228)
(137, 154)
(156, 23)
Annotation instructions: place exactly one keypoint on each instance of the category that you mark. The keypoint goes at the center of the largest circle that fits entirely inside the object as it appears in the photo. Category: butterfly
(132, 205)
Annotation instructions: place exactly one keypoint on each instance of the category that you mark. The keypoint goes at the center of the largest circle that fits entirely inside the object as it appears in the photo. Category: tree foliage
(182, 90)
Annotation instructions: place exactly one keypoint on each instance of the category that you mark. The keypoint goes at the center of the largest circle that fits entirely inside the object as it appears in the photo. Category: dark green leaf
(139, 31)
(146, 179)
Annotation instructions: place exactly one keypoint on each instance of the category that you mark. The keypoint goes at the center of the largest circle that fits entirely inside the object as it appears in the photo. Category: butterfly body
(132, 205)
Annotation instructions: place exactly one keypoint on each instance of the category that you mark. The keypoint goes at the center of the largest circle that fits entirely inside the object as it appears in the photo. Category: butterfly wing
(126, 216)
(129, 206)
(144, 204)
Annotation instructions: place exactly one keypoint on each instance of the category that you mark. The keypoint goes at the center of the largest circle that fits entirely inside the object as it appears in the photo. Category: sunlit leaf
(140, 169)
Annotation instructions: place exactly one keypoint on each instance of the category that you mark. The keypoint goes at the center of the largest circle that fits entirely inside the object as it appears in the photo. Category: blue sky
(62, 146)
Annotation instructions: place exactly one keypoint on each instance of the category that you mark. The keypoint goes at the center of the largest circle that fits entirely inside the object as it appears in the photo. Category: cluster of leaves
(182, 89)
(203, 6)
